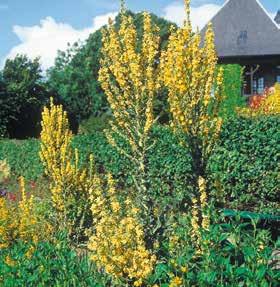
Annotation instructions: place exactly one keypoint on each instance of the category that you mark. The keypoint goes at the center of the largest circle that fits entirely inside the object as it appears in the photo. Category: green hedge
(22, 157)
(245, 165)
(247, 161)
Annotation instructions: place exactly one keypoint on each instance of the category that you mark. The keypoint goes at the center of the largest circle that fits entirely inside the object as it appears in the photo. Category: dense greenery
(244, 168)
(238, 257)
(246, 163)
(137, 202)
(22, 96)
(53, 263)
(232, 90)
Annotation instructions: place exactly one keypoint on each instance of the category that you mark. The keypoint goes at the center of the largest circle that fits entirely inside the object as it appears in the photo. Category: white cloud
(199, 15)
(45, 39)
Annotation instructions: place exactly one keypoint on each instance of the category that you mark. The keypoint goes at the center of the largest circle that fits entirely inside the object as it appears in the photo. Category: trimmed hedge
(247, 161)
(244, 167)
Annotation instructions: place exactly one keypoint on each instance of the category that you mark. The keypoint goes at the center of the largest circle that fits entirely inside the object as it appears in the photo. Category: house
(245, 34)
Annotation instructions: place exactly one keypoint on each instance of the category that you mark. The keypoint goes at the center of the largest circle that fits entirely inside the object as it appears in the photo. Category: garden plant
(142, 203)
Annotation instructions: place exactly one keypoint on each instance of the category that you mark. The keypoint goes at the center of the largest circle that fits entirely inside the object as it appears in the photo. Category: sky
(41, 27)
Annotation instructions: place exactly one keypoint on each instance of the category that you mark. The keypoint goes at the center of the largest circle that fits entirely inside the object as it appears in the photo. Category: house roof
(244, 28)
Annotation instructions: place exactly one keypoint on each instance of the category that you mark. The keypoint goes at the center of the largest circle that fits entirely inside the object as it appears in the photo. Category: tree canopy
(22, 95)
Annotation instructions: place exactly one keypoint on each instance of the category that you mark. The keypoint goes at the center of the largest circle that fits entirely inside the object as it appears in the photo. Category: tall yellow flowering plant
(129, 76)
(189, 71)
(194, 89)
(69, 184)
(117, 243)
(21, 221)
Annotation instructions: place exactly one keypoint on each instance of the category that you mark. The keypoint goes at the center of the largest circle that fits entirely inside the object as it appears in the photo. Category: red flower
(33, 184)
(11, 197)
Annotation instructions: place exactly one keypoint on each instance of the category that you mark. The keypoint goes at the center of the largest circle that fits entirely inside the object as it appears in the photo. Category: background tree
(25, 94)
(5, 114)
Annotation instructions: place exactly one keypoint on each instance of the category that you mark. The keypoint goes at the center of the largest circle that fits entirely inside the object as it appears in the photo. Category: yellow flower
(184, 269)
(9, 261)
(176, 282)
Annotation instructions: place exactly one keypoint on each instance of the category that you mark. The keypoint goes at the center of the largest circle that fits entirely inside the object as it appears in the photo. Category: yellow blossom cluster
(194, 87)
(21, 221)
(4, 170)
(55, 151)
(129, 78)
(117, 243)
(176, 282)
(7, 225)
(269, 104)
(69, 184)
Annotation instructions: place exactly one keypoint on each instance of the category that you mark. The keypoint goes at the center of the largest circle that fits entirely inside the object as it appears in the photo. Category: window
(278, 78)
(258, 85)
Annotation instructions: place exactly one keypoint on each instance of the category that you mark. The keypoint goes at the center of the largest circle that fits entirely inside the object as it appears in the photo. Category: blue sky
(40, 27)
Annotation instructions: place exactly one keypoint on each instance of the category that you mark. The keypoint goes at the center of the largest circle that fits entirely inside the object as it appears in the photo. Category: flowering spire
(123, 7)
(187, 22)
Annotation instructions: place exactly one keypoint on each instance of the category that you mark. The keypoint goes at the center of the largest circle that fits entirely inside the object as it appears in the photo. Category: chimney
(277, 17)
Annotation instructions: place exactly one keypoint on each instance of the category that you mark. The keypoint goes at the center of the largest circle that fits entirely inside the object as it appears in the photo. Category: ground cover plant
(140, 203)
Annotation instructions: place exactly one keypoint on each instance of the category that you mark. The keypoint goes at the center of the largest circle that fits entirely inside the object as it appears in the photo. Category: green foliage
(245, 165)
(75, 74)
(168, 163)
(5, 107)
(51, 264)
(244, 168)
(234, 253)
(22, 96)
(232, 88)
(22, 157)
(94, 124)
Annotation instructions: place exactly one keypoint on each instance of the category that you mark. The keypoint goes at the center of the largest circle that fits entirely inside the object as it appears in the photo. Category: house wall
(268, 71)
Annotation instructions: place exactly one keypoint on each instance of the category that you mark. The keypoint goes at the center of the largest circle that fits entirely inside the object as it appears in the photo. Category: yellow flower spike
(136, 81)
(61, 164)
(118, 241)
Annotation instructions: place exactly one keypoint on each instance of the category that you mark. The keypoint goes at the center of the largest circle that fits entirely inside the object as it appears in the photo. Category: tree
(5, 113)
(75, 74)
(25, 94)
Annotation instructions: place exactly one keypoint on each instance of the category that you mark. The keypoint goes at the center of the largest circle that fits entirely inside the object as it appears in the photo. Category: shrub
(22, 157)
(233, 255)
(23, 97)
(53, 263)
(245, 165)
(232, 87)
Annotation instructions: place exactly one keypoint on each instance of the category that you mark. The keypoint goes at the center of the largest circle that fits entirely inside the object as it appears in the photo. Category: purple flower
(3, 192)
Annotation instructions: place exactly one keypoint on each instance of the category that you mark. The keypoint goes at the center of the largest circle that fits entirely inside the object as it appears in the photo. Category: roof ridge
(273, 21)
(257, 1)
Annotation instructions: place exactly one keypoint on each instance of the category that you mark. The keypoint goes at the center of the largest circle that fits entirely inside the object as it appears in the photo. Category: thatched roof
(244, 28)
